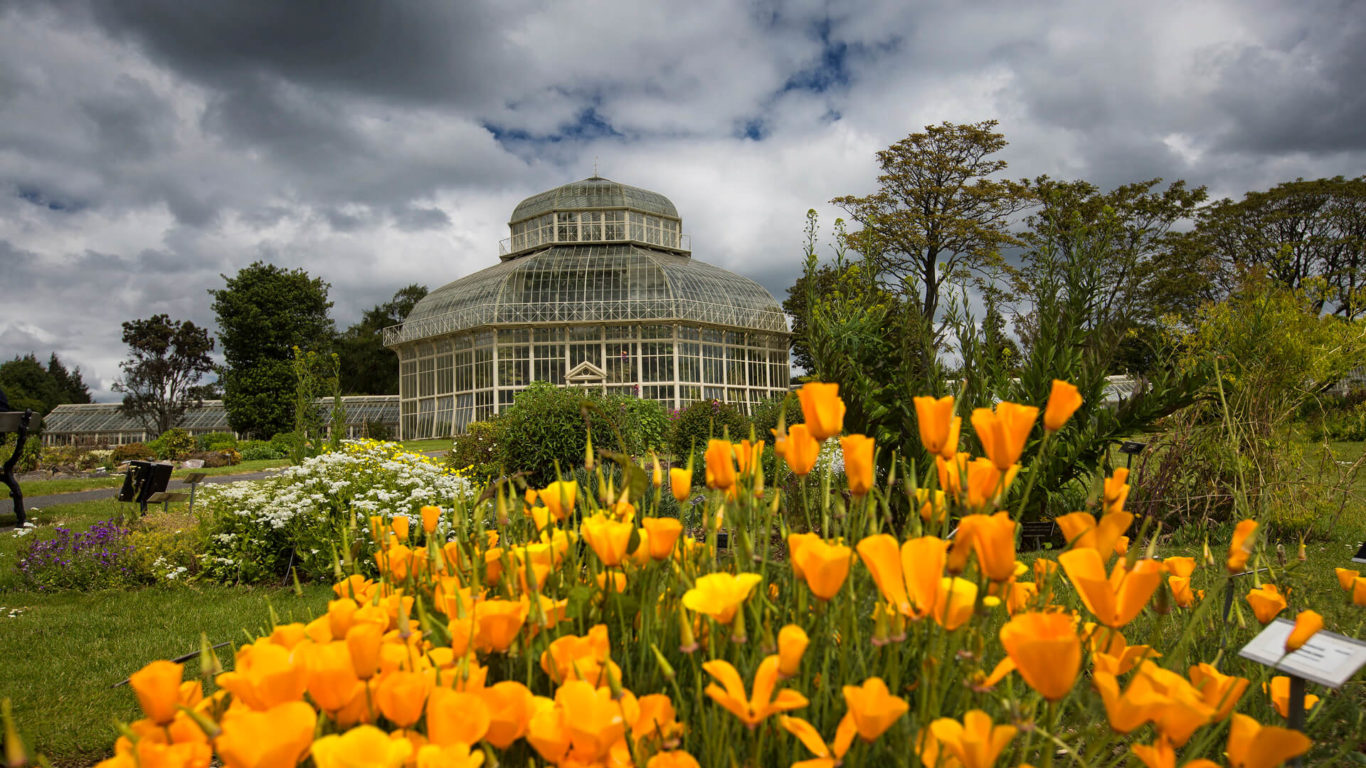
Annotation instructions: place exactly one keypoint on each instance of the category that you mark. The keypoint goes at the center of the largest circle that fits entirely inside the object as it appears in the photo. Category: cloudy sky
(149, 146)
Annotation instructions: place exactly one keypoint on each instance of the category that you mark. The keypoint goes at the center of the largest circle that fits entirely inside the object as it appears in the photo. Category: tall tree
(1296, 232)
(1118, 249)
(367, 366)
(167, 358)
(264, 312)
(28, 384)
(937, 214)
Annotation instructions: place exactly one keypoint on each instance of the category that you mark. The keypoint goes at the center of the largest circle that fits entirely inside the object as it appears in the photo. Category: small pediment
(586, 373)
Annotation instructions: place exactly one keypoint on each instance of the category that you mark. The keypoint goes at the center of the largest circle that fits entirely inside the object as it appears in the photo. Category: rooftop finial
(595, 166)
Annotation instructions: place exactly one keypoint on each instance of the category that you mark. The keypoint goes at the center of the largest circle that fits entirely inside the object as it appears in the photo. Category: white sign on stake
(1328, 658)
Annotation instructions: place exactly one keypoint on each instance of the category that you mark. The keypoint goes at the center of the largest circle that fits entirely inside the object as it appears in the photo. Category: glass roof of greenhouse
(210, 417)
(593, 193)
(593, 284)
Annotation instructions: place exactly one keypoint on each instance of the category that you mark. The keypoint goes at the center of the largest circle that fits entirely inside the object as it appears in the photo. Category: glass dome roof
(593, 284)
(593, 193)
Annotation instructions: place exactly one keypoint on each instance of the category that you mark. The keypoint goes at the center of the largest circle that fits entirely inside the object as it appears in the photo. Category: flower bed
(534, 626)
(296, 520)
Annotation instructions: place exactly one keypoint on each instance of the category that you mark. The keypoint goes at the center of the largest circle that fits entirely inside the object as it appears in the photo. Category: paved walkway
(38, 502)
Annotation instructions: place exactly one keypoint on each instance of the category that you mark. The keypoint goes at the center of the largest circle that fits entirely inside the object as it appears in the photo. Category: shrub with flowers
(311, 514)
(536, 626)
(97, 558)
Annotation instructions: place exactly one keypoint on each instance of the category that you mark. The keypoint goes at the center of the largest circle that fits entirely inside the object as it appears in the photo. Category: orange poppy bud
(802, 450)
(680, 483)
(822, 409)
(792, 642)
(1307, 624)
(720, 460)
(858, 463)
(1063, 401)
(399, 525)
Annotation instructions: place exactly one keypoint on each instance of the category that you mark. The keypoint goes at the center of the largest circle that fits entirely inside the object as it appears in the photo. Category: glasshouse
(596, 288)
(104, 424)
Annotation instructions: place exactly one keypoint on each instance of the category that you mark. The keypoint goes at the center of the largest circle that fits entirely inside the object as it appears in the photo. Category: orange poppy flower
(802, 450)
(680, 482)
(752, 709)
(975, 742)
(1279, 693)
(858, 463)
(1346, 577)
(1114, 600)
(158, 688)
(907, 576)
(822, 409)
(720, 460)
(992, 539)
(1253, 745)
(510, 706)
(1240, 549)
(1046, 651)
(826, 756)
(664, 533)
(1082, 530)
(431, 515)
(1221, 692)
(954, 603)
(276, 736)
(824, 566)
(559, 497)
(608, 538)
(266, 675)
(1267, 602)
(873, 708)
(1003, 432)
(1063, 401)
(935, 419)
(1161, 754)
(456, 717)
(792, 642)
(497, 623)
(1116, 491)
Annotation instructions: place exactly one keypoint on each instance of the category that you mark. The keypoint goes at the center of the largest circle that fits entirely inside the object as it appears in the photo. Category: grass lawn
(115, 479)
(426, 446)
(63, 653)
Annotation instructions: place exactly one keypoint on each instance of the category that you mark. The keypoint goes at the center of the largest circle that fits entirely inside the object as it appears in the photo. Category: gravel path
(38, 502)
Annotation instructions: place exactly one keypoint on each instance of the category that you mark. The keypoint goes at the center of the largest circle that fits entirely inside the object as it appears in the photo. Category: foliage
(475, 452)
(67, 458)
(1297, 232)
(98, 558)
(300, 518)
(215, 441)
(1138, 274)
(375, 430)
(644, 424)
(937, 214)
(764, 414)
(256, 450)
(701, 421)
(367, 366)
(173, 444)
(263, 312)
(547, 424)
(159, 555)
(26, 383)
(28, 460)
(161, 376)
(132, 451)
(314, 375)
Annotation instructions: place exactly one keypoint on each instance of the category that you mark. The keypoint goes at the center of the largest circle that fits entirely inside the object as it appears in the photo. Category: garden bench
(143, 480)
(15, 421)
(1038, 535)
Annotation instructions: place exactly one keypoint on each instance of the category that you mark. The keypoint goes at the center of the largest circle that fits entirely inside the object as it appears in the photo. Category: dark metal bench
(15, 421)
(1038, 535)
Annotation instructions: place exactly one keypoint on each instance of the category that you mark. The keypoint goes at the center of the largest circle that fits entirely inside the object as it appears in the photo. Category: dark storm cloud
(149, 146)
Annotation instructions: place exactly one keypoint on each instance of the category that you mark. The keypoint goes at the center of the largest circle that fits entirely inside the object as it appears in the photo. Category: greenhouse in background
(596, 288)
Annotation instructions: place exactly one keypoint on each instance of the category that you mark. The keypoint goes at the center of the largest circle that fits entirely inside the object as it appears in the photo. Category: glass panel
(567, 230)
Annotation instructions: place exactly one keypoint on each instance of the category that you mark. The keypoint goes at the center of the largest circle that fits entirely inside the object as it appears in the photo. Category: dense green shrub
(258, 450)
(159, 555)
(644, 424)
(174, 444)
(475, 452)
(215, 441)
(67, 458)
(132, 452)
(547, 424)
(702, 420)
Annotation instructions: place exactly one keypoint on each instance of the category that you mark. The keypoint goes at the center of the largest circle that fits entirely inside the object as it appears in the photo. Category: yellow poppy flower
(663, 535)
(608, 538)
(559, 497)
(719, 595)
(680, 483)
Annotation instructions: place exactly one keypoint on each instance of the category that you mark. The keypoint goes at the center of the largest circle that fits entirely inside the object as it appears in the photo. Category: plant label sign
(1360, 556)
(1328, 658)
